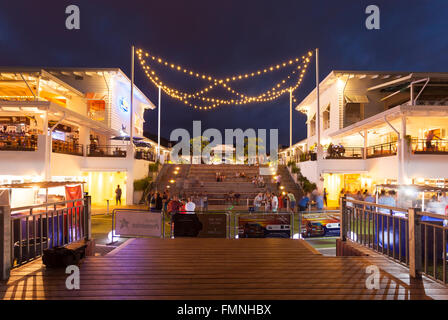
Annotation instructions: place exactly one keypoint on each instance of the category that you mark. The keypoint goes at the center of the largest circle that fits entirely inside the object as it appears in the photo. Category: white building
(83, 109)
(384, 122)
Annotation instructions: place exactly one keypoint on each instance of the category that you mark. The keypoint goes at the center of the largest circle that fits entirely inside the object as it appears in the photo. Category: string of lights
(210, 78)
(271, 94)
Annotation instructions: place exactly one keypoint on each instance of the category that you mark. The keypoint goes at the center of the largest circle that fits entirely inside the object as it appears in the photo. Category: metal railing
(345, 153)
(307, 156)
(67, 148)
(18, 143)
(430, 246)
(435, 146)
(382, 150)
(94, 150)
(381, 228)
(27, 231)
(410, 237)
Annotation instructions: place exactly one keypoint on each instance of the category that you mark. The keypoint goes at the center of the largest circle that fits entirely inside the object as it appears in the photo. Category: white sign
(138, 223)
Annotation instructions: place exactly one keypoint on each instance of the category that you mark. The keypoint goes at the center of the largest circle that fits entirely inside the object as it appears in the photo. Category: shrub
(142, 184)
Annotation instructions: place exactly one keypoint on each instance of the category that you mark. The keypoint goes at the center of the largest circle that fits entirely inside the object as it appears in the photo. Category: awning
(351, 98)
(41, 184)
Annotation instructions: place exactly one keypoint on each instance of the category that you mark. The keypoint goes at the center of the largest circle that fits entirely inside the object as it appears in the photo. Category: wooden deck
(220, 269)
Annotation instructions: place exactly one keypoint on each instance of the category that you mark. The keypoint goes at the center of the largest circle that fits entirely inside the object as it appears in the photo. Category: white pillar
(131, 124)
(319, 149)
(404, 149)
(365, 145)
(47, 145)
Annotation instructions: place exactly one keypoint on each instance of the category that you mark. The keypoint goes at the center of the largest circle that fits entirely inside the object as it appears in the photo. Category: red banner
(73, 193)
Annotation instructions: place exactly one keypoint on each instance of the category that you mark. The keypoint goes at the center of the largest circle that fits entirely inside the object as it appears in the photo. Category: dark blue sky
(227, 37)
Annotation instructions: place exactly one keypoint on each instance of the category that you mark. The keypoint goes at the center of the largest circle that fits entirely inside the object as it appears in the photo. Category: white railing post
(88, 215)
(415, 243)
(343, 217)
(5, 242)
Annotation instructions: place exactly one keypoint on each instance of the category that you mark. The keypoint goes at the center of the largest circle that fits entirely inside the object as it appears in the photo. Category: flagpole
(131, 125)
(158, 123)
(290, 117)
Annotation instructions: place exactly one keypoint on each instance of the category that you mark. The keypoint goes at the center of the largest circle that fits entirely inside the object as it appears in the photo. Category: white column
(319, 149)
(365, 145)
(131, 124)
(404, 149)
(47, 145)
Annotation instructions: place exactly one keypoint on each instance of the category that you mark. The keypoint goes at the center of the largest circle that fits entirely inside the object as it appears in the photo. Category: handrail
(373, 204)
(45, 205)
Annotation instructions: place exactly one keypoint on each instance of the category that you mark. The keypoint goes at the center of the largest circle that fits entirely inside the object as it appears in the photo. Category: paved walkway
(220, 269)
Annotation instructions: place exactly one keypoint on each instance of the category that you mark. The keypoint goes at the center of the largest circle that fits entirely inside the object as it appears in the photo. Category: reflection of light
(175, 172)
(177, 168)
(116, 236)
(282, 187)
(172, 181)
(353, 236)
(421, 180)
(236, 237)
(167, 186)
(296, 236)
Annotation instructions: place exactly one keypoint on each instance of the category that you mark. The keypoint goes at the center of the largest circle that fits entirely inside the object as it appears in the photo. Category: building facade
(73, 125)
(374, 128)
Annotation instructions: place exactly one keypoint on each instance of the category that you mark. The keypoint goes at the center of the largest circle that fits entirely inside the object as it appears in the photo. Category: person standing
(319, 201)
(274, 203)
(303, 203)
(190, 206)
(118, 195)
(159, 202)
(205, 201)
(292, 201)
(258, 202)
(325, 197)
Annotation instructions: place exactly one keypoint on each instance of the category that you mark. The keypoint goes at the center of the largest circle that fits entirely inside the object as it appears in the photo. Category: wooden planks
(221, 269)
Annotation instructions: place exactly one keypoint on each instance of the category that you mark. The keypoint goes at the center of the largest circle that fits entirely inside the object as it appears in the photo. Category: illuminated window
(326, 118)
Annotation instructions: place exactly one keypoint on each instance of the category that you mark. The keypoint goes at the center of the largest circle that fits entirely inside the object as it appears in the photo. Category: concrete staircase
(197, 178)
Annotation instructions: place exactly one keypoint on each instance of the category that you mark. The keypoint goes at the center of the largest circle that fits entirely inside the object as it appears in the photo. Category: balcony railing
(18, 143)
(338, 152)
(94, 150)
(145, 155)
(382, 150)
(308, 156)
(435, 146)
(67, 148)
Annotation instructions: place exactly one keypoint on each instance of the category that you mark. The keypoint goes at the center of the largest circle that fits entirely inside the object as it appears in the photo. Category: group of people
(166, 203)
(316, 198)
(220, 177)
(232, 197)
(258, 180)
(271, 202)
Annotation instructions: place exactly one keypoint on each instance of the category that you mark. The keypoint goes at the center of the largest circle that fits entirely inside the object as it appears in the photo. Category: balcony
(145, 155)
(341, 152)
(308, 156)
(435, 146)
(382, 150)
(18, 142)
(71, 148)
(94, 150)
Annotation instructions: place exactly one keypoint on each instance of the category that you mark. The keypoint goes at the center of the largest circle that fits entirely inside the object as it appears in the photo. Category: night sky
(223, 38)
